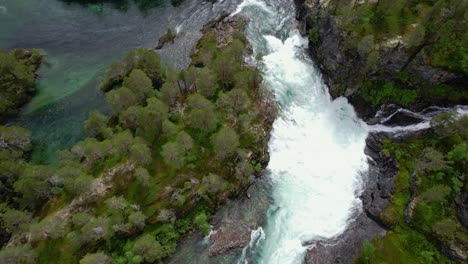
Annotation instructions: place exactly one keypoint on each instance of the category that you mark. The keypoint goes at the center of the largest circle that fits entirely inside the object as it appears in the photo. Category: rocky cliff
(359, 65)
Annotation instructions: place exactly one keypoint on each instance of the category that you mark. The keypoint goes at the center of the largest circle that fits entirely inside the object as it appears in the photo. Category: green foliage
(96, 125)
(225, 142)
(150, 172)
(437, 165)
(314, 36)
(17, 76)
(201, 220)
(148, 248)
(201, 115)
(388, 92)
(96, 258)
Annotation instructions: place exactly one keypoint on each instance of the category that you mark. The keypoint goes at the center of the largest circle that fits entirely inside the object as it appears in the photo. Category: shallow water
(79, 41)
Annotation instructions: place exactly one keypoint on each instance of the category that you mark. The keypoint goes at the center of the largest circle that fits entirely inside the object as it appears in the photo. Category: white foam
(317, 153)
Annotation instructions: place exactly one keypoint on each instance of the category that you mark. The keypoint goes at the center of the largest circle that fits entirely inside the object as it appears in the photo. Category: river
(79, 41)
(317, 166)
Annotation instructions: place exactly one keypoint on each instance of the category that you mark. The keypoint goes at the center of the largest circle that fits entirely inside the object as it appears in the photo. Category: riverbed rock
(346, 247)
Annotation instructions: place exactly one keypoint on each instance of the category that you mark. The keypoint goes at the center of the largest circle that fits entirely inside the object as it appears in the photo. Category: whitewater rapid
(316, 147)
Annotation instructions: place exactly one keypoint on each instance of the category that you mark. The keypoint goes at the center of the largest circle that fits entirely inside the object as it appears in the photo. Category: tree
(431, 161)
(225, 142)
(151, 118)
(96, 258)
(137, 219)
(15, 138)
(78, 185)
(234, 101)
(122, 143)
(140, 85)
(15, 220)
(459, 155)
(169, 93)
(201, 220)
(121, 99)
(22, 254)
(34, 186)
(185, 141)
(96, 229)
(191, 77)
(213, 183)
(128, 118)
(141, 154)
(173, 155)
(150, 63)
(16, 83)
(444, 124)
(148, 248)
(206, 82)
(142, 176)
(116, 205)
(96, 125)
(49, 228)
(201, 114)
(80, 219)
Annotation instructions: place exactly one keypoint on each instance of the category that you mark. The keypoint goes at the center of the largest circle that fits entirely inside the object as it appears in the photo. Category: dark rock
(461, 201)
(346, 247)
(342, 65)
(380, 182)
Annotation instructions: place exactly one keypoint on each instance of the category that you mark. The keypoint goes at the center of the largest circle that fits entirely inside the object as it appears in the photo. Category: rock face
(380, 183)
(345, 248)
(342, 65)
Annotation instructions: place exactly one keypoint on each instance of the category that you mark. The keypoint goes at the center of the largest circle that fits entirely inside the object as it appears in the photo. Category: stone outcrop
(342, 65)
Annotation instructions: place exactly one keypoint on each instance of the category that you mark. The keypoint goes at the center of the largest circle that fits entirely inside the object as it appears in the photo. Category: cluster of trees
(17, 77)
(435, 169)
(191, 136)
(433, 31)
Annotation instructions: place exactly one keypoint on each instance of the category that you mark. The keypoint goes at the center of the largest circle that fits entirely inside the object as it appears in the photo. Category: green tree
(15, 137)
(140, 84)
(34, 186)
(213, 183)
(185, 141)
(121, 99)
(96, 258)
(15, 220)
(128, 118)
(22, 254)
(96, 125)
(141, 154)
(16, 83)
(142, 176)
(206, 82)
(169, 93)
(122, 143)
(201, 220)
(137, 219)
(225, 142)
(151, 118)
(201, 113)
(148, 248)
(173, 155)
(234, 101)
(49, 228)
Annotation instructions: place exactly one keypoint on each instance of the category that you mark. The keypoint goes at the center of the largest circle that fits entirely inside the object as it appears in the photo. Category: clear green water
(78, 41)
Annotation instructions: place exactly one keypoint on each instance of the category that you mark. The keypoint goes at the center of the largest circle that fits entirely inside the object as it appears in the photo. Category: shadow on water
(79, 39)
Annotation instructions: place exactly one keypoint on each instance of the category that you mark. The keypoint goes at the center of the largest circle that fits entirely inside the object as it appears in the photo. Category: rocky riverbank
(357, 69)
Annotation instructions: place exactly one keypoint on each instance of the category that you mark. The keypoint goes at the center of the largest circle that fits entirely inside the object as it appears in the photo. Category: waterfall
(316, 147)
